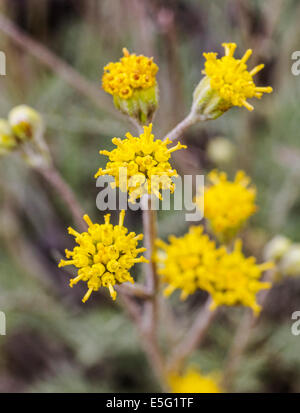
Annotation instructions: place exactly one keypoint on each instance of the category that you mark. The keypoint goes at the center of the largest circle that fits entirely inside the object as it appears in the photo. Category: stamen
(121, 218)
(247, 105)
(113, 293)
(256, 69)
(267, 89)
(87, 295)
(125, 52)
(87, 220)
(246, 56)
(75, 280)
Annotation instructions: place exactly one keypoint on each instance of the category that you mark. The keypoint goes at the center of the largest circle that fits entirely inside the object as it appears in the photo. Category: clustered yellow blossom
(194, 262)
(228, 204)
(192, 381)
(130, 73)
(104, 256)
(231, 79)
(140, 165)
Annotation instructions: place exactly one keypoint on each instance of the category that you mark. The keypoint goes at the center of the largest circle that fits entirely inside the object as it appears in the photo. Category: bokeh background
(54, 343)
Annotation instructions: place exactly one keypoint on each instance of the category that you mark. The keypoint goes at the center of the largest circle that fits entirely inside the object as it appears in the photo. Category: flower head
(228, 204)
(231, 79)
(104, 255)
(194, 262)
(130, 73)
(140, 165)
(132, 83)
(227, 82)
(192, 381)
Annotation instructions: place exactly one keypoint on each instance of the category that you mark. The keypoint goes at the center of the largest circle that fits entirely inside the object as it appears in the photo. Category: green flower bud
(7, 140)
(26, 123)
(221, 151)
(207, 103)
(290, 263)
(141, 105)
(276, 247)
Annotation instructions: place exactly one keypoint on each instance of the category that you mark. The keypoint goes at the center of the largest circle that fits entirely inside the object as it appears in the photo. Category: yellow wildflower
(183, 259)
(227, 83)
(194, 262)
(231, 79)
(131, 72)
(192, 381)
(140, 165)
(104, 256)
(132, 82)
(227, 205)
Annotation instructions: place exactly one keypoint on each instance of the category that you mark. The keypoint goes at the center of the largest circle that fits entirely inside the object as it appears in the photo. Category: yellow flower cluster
(104, 256)
(231, 79)
(192, 381)
(194, 262)
(140, 165)
(227, 205)
(130, 73)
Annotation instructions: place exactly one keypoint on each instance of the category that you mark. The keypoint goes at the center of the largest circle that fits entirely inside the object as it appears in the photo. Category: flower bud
(221, 151)
(28, 128)
(7, 140)
(276, 248)
(26, 123)
(207, 103)
(290, 263)
(141, 105)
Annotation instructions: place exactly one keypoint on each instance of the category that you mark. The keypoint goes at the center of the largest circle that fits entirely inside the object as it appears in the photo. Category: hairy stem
(176, 132)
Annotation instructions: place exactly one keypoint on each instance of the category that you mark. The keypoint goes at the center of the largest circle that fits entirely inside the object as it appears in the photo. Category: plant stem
(149, 229)
(150, 316)
(51, 175)
(193, 337)
(176, 132)
(242, 336)
(135, 290)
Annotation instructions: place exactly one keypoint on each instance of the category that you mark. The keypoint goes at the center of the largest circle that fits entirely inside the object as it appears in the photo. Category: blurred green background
(54, 343)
